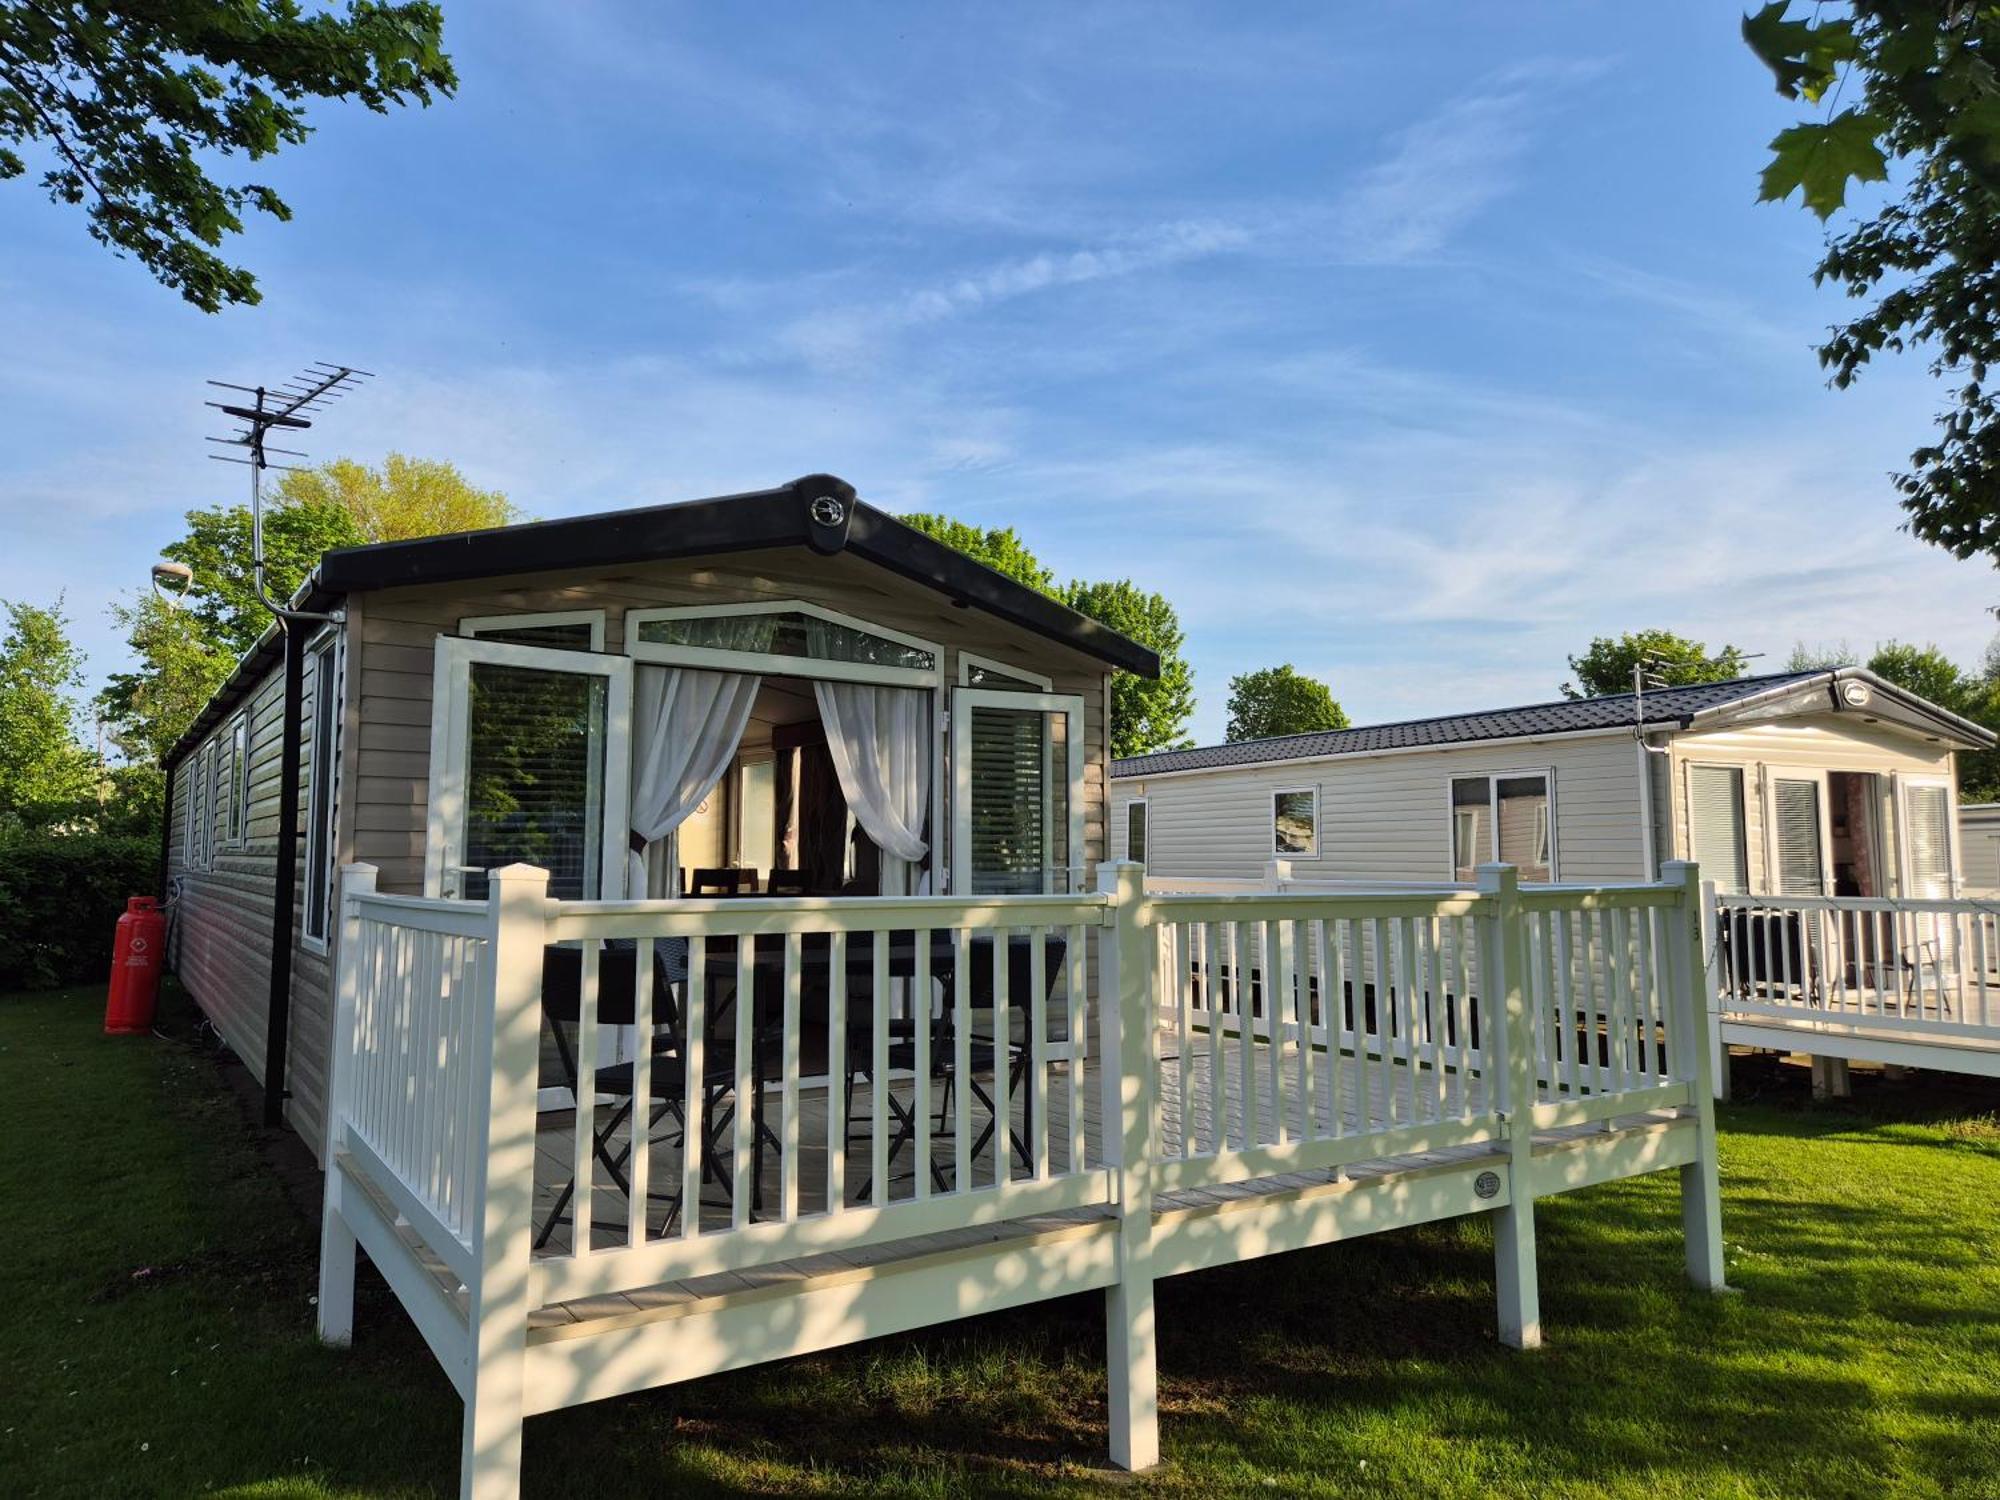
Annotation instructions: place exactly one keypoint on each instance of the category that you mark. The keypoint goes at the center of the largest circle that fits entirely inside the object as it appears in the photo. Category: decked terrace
(1054, 1094)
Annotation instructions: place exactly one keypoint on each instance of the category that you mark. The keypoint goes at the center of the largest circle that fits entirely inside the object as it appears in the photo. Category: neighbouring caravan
(1825, 783)
(1979, 848)
(853, 708)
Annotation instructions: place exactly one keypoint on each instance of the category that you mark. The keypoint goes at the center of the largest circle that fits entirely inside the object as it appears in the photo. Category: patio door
(1017, 792)
(1797, 839)
(530, 763)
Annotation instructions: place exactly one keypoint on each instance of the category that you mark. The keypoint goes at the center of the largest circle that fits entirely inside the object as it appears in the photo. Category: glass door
(529, 764)
(1017, 792)
(1799, 853)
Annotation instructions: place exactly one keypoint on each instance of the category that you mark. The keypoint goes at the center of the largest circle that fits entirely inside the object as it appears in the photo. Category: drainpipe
(1648, 852)
(284, 903)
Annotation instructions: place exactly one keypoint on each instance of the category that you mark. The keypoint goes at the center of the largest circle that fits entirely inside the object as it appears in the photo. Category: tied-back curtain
(880, 741)
(686, 726)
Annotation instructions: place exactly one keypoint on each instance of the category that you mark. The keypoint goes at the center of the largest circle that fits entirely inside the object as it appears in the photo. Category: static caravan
(1827, 783)
(1979, 848)
(787, 692)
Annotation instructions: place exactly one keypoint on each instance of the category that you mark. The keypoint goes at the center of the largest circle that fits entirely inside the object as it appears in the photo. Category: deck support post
(1830, 1079)
(336, 1240)
(1691, 994)
(1130, 1081)
(504, 1185)
(1503, 952)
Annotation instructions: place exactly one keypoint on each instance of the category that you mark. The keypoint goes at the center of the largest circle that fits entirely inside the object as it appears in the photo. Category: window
(530, 755)
(1017, 815)
(201, 826)
(191, 823)
(981, 671)
(322, 772)
(1796, 837)
(564, 630)
(236, 793)
(788, 632)
(1295, 824)
(1927, 816)
(1135, 830)
(1715, 826)
(1509, 818)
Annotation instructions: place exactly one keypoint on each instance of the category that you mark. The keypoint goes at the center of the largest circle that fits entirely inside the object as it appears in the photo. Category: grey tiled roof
(1565, 716)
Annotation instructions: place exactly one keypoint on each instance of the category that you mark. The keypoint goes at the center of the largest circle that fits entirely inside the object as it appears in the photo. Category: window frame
(326, 656)
(236, 810)
(966, 699)
(769, 664)
(1294, 791)
(967, 660)
(1742, 774)
(1145, 822)
(1551, 831)
(451, 698)
(1905, 826)
(1773, 874)
(191, 770)
(477, 626)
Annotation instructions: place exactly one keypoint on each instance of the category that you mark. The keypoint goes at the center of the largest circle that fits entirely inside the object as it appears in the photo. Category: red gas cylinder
(135, 968)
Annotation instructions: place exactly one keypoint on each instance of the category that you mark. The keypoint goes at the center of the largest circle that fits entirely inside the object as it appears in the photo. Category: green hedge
(60, 899)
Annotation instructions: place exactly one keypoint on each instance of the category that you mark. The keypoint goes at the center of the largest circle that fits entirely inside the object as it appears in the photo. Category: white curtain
(880, 741)
(686, 725)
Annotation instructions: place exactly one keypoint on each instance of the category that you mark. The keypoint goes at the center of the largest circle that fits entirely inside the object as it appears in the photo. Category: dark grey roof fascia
(758, 519)
(1666, 708)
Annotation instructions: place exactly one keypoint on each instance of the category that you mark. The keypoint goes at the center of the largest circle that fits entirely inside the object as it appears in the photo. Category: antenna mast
(284, 407)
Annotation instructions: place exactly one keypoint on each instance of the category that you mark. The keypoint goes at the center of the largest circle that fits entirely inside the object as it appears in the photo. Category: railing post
(1126, 1022)
(506, 1052)
(1504, 955)
(1277, 874)
(1701, 1197)
(336, 1240)
(1710, 969)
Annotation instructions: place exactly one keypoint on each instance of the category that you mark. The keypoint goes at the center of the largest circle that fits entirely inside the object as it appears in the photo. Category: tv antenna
(288, 407)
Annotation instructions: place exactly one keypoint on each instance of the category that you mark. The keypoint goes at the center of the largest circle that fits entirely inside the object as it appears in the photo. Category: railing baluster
(961, 1062)
(1180, 959)
(639, 1165)
(1409, 1011)
(840, 1068)
(1277, 986)
(1217, 1125)
(1382, 1064)
(584, 1117)
(1076, 998)
(920, 1020)
(749, 1105)
(788, 1096)
(1306, 946)
(695, 1122)
(1436, 988)
(878, 1069)
(1244, 990)
(1333, 1007)
(1038, 1052)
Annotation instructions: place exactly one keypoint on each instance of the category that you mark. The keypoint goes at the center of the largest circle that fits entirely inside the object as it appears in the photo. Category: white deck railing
(1237, 1036)
(1927, 968)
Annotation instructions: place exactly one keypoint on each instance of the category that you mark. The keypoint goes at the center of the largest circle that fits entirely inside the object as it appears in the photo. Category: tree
(46, 777)
(1145, 715)
(405, 498)
(1280, 700)
(1918, 83)
(1927, 672)
(185, 653)
(1607, 666)
(134, 104)
(1000, 548)
(1821, 658)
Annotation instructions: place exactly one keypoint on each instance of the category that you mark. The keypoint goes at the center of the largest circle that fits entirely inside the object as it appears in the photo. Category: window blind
(1715, 826)
(1010, 801)
(1796, 811)
(1929, 812)
(534, 777)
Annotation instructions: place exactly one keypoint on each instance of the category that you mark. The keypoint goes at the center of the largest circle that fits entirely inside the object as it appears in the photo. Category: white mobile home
(1823, 784)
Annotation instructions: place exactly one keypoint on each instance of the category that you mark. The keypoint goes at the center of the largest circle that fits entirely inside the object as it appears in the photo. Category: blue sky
(1411, 345)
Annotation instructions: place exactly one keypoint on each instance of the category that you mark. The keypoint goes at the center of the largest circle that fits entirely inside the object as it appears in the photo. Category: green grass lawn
(157, 1334)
